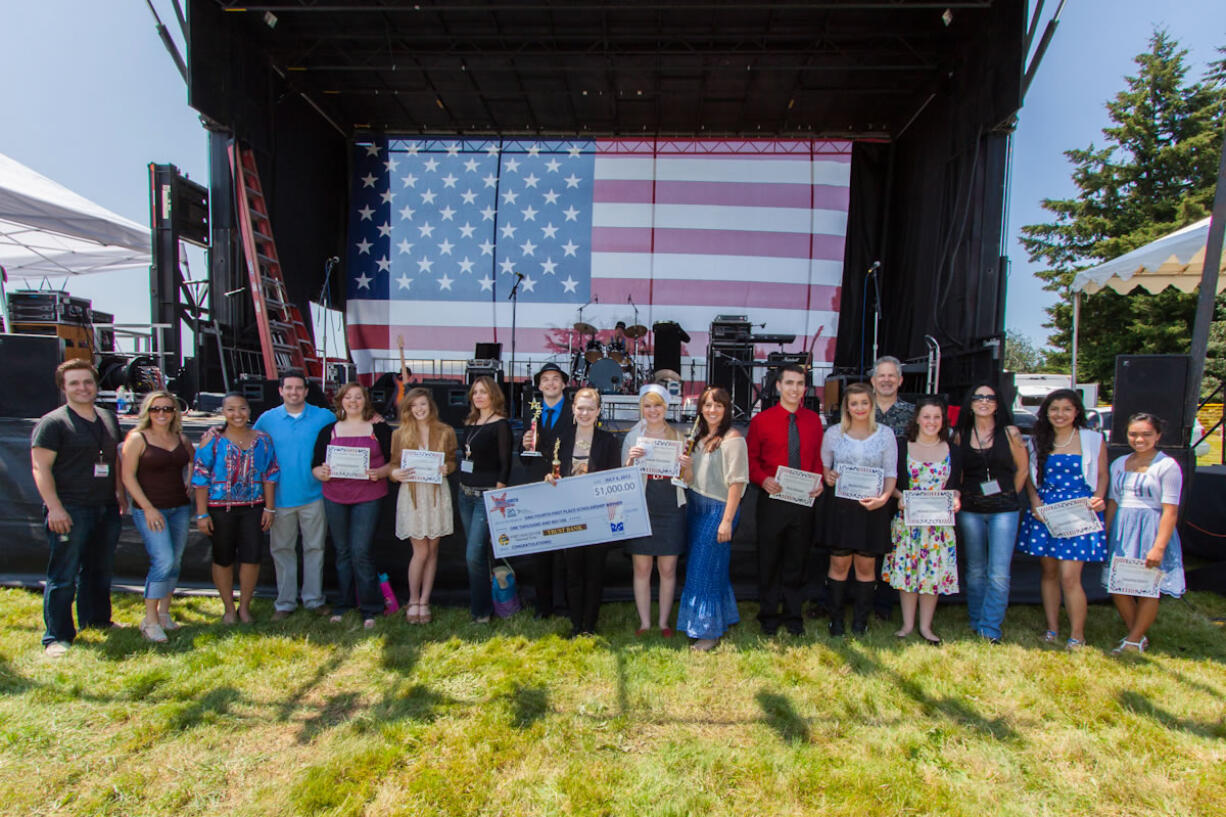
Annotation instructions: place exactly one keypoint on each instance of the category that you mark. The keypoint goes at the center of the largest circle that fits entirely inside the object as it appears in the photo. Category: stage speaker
(731, 367)
(451, 397)
(261, 394)
(28, 363)
(487, 351)
(1152, 383)
(668, 337)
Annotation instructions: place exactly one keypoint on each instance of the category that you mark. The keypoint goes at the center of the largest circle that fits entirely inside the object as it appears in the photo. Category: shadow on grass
(779, 714)
(214, 703)
(1141, 705)
(335, 711)
(12, 683)
(528, 705)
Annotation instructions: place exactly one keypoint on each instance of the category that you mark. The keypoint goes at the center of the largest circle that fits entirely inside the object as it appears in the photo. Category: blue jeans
(80, 565)
(353, 529)
(987, 541)
(165, 548)
(476, 553)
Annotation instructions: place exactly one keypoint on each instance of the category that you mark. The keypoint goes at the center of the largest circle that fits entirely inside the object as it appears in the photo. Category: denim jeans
(476, 553)
(353, 529)
(987, 540)
(80, 565)
(165, 548)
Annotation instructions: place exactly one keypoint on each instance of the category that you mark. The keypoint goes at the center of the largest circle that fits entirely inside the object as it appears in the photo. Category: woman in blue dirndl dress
(1068, 461)
(720, 473)
(1141, 513)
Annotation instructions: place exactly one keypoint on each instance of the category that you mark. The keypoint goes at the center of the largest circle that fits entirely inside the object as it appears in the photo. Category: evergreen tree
(1156, 173)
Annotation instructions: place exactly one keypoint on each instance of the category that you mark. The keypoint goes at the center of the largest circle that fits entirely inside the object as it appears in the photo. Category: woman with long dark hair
(1068, 461)
(486, 465)
(584, 449)
(720, 474)
(423, 510)
(1141, 513)
(924, 561)
(994, 464)
(351, 505)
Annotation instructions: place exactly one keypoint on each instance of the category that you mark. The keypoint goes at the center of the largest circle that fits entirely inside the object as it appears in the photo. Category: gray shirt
(897, 418)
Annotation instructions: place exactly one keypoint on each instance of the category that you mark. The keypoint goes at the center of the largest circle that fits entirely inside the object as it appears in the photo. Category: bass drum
(605, 375)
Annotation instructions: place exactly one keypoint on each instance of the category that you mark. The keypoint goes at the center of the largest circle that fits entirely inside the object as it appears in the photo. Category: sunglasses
(983, 398)
(162, 409)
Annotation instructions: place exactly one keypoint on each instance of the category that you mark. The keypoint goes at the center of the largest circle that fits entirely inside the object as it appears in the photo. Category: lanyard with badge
(990, 486)
(102, 468)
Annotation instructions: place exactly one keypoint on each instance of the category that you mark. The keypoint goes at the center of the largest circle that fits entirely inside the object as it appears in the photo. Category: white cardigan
(1091, 450)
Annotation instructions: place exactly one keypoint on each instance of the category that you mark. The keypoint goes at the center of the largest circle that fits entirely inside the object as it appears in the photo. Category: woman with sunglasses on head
(235, 476)
(994, 463)
(155, 458)
(857, 530)
(351, 504)
(720, 474)
(423, 510)
(1142, 510)
(1068, 461)
(583, 449)
(924, 561)
(485, 465)
(665, 508)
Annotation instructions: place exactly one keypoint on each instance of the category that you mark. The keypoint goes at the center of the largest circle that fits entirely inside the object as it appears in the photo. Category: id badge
(989, 488)
(466, 466)
(101, 469)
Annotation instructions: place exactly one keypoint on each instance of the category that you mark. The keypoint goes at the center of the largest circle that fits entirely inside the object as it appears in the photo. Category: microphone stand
(570, 341)
(634, 361)
(514, 299)
(325, 300)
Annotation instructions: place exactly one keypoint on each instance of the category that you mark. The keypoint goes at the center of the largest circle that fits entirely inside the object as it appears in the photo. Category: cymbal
(585, 328)
(635, 332)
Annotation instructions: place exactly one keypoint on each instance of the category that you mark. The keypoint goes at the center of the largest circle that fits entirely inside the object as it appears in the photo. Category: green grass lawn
(302, 717)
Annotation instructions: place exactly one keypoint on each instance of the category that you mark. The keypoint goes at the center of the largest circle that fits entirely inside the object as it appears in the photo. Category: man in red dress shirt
(791, 435)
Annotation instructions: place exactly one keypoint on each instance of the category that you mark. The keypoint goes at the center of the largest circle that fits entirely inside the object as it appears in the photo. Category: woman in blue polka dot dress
(1068, 461)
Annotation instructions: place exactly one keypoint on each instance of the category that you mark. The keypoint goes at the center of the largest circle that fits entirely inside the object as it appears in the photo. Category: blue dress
(1062, 480)
(708, 606)
(1139, 498)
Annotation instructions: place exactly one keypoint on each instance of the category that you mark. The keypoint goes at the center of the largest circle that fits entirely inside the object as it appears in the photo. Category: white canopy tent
(1177, 259)
(48, 230)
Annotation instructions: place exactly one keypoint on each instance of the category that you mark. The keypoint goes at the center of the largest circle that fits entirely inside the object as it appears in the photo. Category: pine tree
(1155, 174)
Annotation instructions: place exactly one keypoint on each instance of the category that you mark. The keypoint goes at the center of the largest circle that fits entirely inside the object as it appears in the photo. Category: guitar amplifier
(730, 329)
(482, 367)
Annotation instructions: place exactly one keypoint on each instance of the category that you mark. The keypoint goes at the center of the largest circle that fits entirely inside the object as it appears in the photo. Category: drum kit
(609, 367)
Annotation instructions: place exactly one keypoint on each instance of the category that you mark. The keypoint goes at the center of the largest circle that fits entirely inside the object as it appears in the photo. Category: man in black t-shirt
(74, 451)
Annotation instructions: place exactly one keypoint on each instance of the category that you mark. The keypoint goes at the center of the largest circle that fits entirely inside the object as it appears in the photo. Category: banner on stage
(426, 466)
(1130, 577)
(348, 462)
(605, 506)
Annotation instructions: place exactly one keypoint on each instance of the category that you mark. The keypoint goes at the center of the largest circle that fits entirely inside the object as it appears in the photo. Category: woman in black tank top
(994, 468)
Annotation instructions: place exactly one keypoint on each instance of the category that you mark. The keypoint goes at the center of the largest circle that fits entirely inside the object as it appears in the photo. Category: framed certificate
(858, 482)
(427, 466)
(1072, 517)
(662, 457)
(1130, 577)
(796, 485)
(348, 462)
(924, 508)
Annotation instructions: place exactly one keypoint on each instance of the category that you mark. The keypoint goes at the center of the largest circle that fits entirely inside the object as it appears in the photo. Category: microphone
(876, 266)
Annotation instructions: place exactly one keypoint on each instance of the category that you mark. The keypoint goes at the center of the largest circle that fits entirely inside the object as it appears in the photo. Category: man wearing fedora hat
(556, 417)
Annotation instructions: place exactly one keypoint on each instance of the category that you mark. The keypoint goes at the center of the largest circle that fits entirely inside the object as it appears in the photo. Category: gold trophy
(691, 442)
(535, 405)
(557, 463)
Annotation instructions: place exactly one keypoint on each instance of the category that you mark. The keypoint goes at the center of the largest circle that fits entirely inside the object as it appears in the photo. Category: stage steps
(285, 343)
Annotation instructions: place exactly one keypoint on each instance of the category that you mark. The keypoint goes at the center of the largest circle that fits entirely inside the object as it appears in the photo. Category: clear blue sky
(90, 97)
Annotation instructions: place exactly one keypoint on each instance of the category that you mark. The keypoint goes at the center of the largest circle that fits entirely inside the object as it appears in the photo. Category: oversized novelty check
(348, 462)
(922, 508)
(1130, 577)
(604, 506)
(1071, 517)
(427, 466)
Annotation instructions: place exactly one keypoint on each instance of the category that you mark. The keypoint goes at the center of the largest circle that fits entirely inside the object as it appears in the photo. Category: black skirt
(848, 526)
(667, 522)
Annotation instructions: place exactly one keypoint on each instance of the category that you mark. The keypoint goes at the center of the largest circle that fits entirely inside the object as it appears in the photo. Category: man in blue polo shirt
(293, 426)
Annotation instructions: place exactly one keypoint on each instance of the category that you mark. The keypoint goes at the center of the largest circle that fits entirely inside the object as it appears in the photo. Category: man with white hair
(892, 412)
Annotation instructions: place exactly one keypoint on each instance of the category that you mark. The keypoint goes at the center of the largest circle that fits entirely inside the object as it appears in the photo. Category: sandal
(424, 617)
(369, 624)
(1124, 644)
(410, 616)
(1049, 637)
(1074, 644)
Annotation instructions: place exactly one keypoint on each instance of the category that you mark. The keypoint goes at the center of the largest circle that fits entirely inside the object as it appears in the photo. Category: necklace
(583, 445)
(1066, 443)
(928, 445)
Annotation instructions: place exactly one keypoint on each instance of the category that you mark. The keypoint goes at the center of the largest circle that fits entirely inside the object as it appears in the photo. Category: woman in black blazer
(582, 449)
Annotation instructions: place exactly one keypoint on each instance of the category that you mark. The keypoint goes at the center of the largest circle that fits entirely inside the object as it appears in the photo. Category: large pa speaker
(451, 397)
(1155, 384)
(28, 363)
(731, 367)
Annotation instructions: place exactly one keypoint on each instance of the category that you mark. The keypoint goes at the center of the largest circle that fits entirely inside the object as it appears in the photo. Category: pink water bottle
(389, 598)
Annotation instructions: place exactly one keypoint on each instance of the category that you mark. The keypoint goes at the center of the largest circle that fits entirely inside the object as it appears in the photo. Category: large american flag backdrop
(684, 229)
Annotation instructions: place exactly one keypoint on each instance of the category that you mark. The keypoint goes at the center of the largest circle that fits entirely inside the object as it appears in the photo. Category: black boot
(838, 593)
(862, 606)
